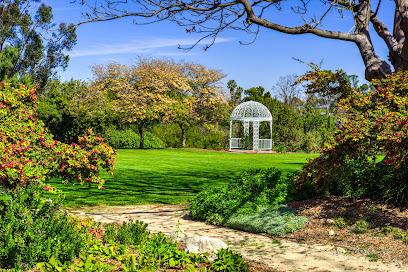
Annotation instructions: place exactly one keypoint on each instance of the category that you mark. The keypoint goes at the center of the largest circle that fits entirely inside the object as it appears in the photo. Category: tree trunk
(374, 66)
(400, 32)
(183, 135)
(141, 134)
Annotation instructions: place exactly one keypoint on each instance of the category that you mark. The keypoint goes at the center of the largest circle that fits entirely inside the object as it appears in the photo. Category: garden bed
(333, 221)
(263, 252)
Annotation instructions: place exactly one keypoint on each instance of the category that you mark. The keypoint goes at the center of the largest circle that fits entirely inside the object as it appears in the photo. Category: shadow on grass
(130, 186)
(169, 176)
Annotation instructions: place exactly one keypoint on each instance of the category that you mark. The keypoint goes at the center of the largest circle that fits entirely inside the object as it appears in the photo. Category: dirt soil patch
(322, 228)
(296, 252)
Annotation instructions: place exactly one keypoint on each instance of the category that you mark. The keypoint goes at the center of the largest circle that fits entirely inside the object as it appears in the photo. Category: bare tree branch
(210, 18)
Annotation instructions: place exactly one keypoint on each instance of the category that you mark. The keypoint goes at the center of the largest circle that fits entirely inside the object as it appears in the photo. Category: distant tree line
(161, 103)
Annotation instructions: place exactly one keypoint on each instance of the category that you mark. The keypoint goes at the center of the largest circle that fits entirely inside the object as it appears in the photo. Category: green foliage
(130, 247)
(128, 233)
(227, 260)
(397, 233)
(280, 148)
(169, 133)
(312, 141)
(360, 226)
(129, 139)
(371, 123)
(160, 252)
(29, 154)
(372, 257)
(254, 187)
(33, 230)
(55, 106)
(31, 43)
(205, 137)
(340, 222)
(249, 203)
(287, 126)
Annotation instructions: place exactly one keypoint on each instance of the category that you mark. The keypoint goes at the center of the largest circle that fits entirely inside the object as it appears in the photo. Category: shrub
(253, 188)
(250, 203)
(227, 260)
(207, 137)
(33, 230)
(312, 141)
(130, 247)
(340, 222)
(397, 233)
(371, 123)
(168, 133)
(122, 138)
(129, 139)
(280, 148)
(372, 257)
(30, 155)
(360, 226)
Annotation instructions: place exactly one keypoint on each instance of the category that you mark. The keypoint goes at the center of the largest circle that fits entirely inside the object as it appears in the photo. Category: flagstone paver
(275, 253)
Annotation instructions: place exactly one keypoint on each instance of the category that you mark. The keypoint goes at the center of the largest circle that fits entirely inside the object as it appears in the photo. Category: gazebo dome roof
(251, 111)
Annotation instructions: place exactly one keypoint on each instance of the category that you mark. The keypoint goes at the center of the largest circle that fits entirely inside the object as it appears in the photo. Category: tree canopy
(30, 42)
(153, 91)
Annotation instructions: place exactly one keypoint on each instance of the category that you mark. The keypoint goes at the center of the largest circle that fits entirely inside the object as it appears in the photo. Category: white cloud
(148, 46)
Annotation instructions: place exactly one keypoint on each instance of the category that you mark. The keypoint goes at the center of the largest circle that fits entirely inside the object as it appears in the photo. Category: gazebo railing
(235, 143)
(265, 144)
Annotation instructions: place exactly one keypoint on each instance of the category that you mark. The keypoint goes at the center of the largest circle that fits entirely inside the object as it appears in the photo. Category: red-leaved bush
(30, 155)
(370, 153)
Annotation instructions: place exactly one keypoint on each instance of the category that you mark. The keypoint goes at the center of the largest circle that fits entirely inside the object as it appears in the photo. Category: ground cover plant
(172, 176)
(253, 202)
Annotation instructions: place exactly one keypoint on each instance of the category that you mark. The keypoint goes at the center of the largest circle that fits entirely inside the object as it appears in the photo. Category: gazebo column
(230, 138)
(246, 128)
(255, 138)
(271, 129)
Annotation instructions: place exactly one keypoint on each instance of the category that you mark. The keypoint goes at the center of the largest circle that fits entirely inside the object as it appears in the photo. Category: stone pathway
(274, 253)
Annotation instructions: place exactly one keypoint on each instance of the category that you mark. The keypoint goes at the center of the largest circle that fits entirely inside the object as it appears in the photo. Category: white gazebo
(247, 113)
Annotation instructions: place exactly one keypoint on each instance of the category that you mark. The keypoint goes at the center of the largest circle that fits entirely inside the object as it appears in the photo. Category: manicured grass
(172, 176)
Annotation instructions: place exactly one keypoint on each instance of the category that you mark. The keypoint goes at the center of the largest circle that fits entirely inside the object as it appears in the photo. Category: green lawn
(173, 175)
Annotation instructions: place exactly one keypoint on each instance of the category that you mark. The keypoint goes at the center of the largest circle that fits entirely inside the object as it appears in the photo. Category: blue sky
(261, 63)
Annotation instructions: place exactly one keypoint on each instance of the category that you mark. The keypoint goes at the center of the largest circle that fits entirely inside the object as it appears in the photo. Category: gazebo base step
(253, 151)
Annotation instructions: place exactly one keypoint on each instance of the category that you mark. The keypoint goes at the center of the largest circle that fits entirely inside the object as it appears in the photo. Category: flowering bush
(30, 155)
(369, 124)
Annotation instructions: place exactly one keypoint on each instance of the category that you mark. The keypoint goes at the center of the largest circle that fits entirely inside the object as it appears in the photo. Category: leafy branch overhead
(211, 18)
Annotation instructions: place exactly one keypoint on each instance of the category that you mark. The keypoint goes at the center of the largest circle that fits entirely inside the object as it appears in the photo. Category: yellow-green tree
(142, 94)
(202, 102)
